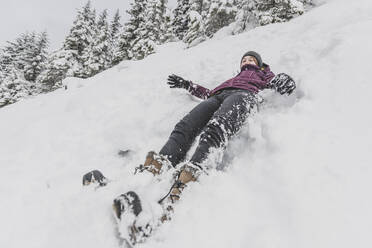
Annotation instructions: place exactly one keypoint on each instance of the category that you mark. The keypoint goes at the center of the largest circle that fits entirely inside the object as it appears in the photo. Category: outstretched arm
(199, 91)
(196, 90)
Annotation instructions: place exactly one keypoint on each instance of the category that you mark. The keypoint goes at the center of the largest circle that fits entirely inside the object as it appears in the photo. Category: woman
(216, 119)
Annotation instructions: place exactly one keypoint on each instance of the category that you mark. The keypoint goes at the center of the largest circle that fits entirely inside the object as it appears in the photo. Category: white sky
(56, 17)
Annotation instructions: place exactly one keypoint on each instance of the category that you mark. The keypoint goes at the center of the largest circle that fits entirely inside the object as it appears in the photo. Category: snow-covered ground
(298, 175)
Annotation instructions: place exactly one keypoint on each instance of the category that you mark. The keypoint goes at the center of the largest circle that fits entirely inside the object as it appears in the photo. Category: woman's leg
(226, 122)
(187, 129)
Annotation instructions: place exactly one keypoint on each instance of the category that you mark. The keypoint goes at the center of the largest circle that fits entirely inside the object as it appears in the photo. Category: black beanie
(253, 54)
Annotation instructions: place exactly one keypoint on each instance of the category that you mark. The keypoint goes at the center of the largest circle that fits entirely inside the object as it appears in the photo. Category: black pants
(216, 119)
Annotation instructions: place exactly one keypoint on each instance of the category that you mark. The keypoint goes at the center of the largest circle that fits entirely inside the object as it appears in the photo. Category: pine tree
(122, 51)
(115, 28)
(157, 22)
(18, 49)
(7, 75)
(149, 25)
(7, 55)
(200, 6)
(134, 42)
(163, 17)
(152, 28)
(262, 12)
(130, 33)
(271, 11)
(1, 73)
(245, 17)
(168, 33)
(115, 25)
(80, 39)
(76, 58)
(145, 35)
(181, 21)
(99, 52)
(35, 57)
(59, 66)
(13, 86)
(196, 29)
(21, 62)
(2, 77)
(219, 15)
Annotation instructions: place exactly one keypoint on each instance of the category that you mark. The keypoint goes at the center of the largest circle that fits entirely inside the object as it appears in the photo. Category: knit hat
(253, 54)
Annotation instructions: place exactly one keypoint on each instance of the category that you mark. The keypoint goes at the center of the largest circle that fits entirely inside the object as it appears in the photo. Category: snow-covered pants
(216, 119)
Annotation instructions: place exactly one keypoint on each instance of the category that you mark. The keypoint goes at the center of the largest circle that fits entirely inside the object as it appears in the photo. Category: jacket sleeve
(199, 91)
(268, 75)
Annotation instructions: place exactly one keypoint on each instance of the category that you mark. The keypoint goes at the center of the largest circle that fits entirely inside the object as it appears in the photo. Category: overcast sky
(56, 17)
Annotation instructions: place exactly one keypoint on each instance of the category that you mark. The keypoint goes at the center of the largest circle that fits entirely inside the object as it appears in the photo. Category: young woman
(216, 119)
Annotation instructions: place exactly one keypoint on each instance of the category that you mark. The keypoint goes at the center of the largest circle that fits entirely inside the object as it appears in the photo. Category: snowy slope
(299, 174)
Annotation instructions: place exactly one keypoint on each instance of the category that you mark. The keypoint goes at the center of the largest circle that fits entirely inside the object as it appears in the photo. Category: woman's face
(248, 60)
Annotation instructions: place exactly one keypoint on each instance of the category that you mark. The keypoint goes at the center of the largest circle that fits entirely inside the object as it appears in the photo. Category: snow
(298, 175)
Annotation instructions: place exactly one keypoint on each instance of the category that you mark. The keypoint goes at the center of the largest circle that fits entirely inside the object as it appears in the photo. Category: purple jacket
(251, 78)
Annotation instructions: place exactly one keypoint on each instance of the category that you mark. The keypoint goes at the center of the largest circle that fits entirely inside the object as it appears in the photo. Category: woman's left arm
(281, 82)
(268, 75)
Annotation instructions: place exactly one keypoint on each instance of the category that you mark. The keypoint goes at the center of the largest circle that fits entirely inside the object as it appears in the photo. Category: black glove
(283, 84)
(177, 82)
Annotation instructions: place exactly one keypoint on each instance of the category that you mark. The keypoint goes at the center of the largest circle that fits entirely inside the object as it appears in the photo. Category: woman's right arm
(199, 91)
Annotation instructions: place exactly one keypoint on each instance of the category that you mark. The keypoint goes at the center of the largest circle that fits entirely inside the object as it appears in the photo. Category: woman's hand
(283, 84)
(175, 81)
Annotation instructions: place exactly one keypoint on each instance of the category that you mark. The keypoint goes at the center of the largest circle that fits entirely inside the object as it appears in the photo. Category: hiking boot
(187, 173)
(127, 208)
(128, 202)
(95, 176)
(154, 163)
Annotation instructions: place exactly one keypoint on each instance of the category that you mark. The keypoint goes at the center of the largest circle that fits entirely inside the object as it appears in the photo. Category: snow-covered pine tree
(13, 86)
(139, 33)
(152, 21)
(122, 51)
(2, 76)
(99, 50)
(115, 25)
(271, 11)
(59, 66)
(219, 15)
(168, 33)
(200, 6)
(80, 39)
(245, 18)
(163, 17)
(7, 55)
(149, 25)
(143, 45)
(261, 12)
(196, 26)
(180, 20)
(21, 62)
(158, 25)
(35, 57)
(115, 28)
(130, 33)
(1, 73)
(18, 49)
(205, 17)
(8, 74)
